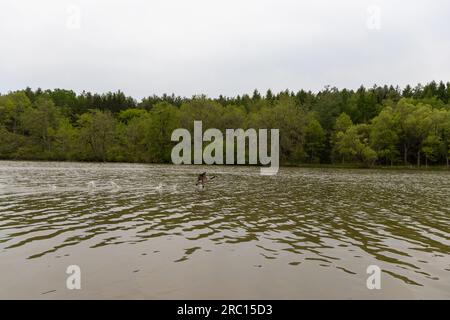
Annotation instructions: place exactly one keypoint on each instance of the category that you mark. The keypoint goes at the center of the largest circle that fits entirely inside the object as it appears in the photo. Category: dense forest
(382, 125)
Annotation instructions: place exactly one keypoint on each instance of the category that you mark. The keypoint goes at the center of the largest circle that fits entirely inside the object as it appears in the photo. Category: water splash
(114, 186)
(91, 185)
(159, 188)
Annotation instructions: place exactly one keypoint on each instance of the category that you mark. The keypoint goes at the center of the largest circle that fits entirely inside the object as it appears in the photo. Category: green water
(146, 231)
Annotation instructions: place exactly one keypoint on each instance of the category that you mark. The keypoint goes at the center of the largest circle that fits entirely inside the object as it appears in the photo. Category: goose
(202, 179)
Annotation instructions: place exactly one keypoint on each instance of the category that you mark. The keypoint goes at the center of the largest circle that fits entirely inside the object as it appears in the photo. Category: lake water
(145, 231)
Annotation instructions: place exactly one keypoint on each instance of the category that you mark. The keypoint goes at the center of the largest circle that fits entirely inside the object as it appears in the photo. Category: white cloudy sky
(221, 46)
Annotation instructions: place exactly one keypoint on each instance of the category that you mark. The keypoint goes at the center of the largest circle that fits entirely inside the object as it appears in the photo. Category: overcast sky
(188, 47)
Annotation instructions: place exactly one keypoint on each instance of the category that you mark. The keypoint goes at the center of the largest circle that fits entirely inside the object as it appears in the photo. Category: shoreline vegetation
(361, 166)
(379, 127)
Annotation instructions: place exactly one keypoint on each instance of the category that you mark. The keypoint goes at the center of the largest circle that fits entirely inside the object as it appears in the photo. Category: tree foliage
(382, 124)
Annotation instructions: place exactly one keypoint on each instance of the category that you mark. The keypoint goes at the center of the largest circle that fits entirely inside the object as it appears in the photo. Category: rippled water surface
(146, 231)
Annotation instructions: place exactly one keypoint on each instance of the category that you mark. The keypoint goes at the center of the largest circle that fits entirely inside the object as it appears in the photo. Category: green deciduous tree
(384, 135)
(12, 107)
(315, 140)
(96, 134)
(342, 124)
(41, 122)
(164, 119)
(353, 145)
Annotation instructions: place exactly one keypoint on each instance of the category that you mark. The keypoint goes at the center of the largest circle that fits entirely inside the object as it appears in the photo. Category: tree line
(382, 125)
